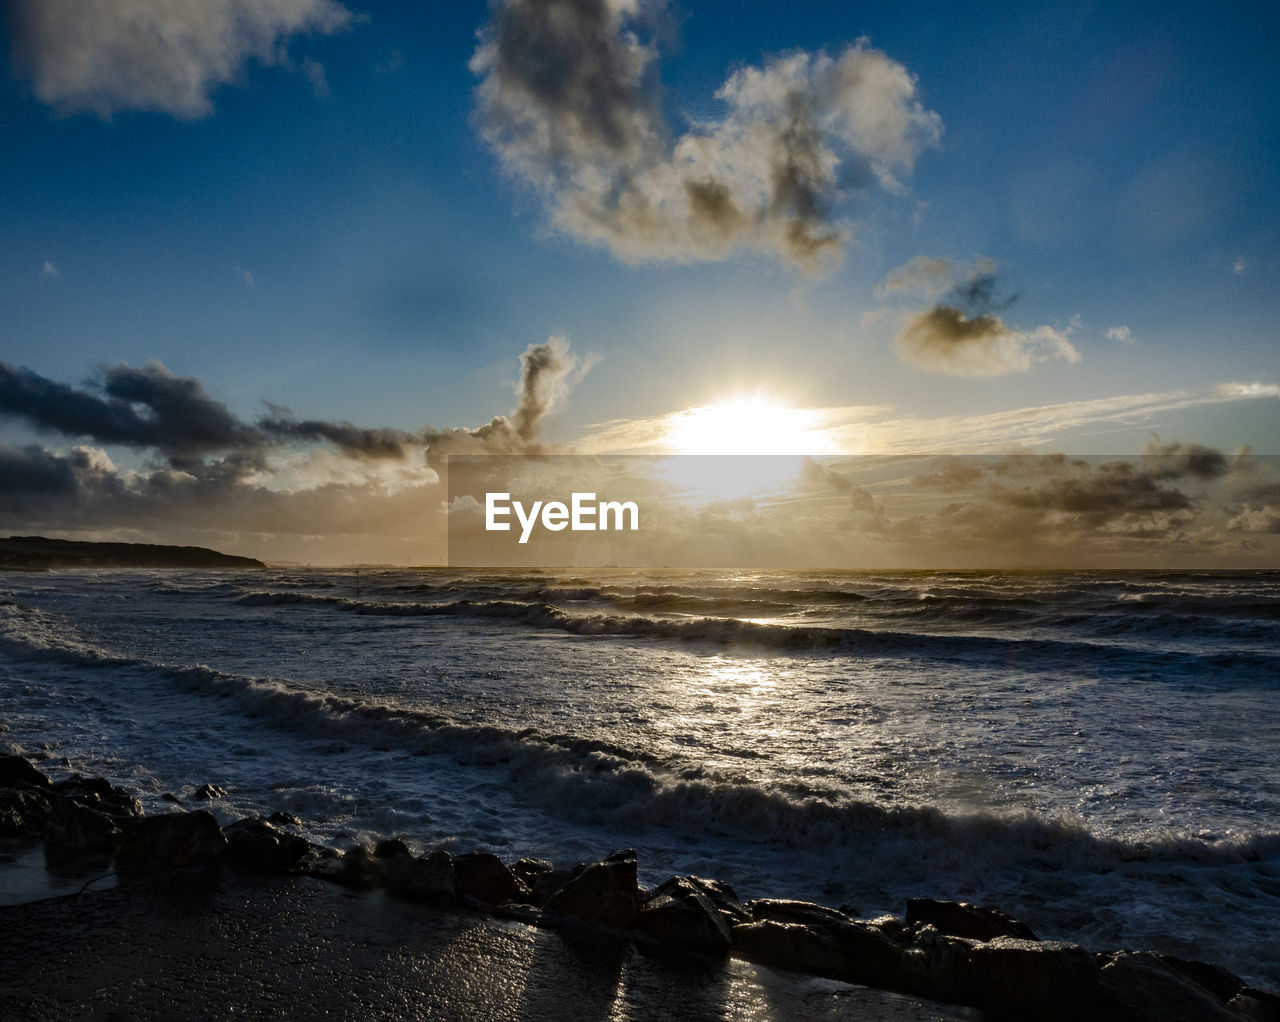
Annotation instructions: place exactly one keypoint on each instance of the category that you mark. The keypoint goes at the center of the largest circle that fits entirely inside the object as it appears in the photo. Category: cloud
(547, 372)
(1240, 265)
(1120, 333)
(569, 100)
(302, 487)
(962, 335)
(105, 56)
(314, 71)
(945, 340)
(353, 441)
(49, 269)
(872, 429)
(143, 406)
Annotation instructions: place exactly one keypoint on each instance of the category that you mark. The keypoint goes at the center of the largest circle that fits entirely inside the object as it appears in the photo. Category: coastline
(252, 917)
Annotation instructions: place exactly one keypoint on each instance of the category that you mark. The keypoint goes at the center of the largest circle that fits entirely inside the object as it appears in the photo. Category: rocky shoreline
(942, 951)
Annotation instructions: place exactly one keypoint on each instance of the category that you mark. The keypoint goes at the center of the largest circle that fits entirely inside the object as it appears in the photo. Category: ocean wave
(589, 781)
(1035, 653)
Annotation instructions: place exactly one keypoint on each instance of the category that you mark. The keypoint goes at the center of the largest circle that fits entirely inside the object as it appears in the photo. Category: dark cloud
(962, 334)
(215, 475)
(145, 407)
(30, 475)
(569, 99)
(353, 441)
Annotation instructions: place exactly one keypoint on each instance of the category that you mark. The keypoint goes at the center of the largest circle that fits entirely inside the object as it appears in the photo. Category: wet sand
(217, 943)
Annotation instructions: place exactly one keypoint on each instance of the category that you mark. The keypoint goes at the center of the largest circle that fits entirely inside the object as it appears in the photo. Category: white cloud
(49, 269)
(1240, 265)
(104, 56)
(568, 100)
(1120, 333)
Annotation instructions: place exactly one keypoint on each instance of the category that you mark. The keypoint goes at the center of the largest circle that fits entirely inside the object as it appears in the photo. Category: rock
(24, 813)
(1023, 979)
(603, 892)
(281, 818)
(484, 877)
(359, 869)
(427, 878)
(545, 884)
(679, 914)
(170, 840)
(722, 896)
(255, 843)
(99, 793)
(77, 828)
(389, 848)
(1222, 983)
(961, 919)
(780, 910)
(169, 796)
(16, 772)
(528, 870)
(1256, 1005)
(208, 791)
(1144, 988)
(844, 950)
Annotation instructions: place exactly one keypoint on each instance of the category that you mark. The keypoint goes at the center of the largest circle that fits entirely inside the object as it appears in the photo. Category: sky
(266, 265)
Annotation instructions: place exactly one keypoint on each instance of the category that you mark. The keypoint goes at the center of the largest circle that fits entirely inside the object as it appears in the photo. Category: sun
(753, 425)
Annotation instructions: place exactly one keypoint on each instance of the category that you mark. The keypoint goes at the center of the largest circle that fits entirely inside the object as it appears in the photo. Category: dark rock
(484, 877)
(679, 914)
(101, 794)
(255, 843)
(389, 848)
(170, 840)
(16, 772)
(604, 892)
(528, 870)
(79, 828)
(1022, 979)
(359, 870)
(208, 791)
(806, 913)
(844, 950)
(24, 813)
(1222, 983)
(281, 818)
(169, 796)
(1256, 1005)
(428, 878)
(1146, 989)
(545, 884)
(723, 897)
(961, 919)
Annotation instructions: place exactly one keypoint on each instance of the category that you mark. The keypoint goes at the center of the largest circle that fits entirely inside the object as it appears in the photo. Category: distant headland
(36, 553)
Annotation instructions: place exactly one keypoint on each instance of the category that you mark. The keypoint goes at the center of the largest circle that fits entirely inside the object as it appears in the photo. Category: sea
(1097, 754)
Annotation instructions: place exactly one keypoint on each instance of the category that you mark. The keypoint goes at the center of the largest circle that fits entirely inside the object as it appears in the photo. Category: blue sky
(333, 219)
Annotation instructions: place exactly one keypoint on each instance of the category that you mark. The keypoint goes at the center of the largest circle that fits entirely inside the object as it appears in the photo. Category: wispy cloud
(569, 100)
(872, 429)
(49, 269)
(105, 56)
(1120, 333)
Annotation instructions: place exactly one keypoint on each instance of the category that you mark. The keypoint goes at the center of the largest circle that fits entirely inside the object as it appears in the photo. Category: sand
(219, 943)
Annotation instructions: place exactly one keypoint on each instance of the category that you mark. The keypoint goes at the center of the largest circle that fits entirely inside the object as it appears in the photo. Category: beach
(1092, 754)
(219, 946)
